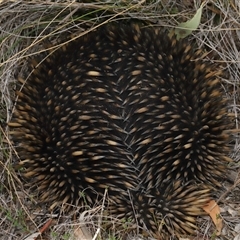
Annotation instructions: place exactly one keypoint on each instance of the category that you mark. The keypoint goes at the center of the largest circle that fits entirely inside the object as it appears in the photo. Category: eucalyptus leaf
(186, 28)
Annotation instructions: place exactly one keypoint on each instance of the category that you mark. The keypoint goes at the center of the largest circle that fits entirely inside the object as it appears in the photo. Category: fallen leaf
(82, 233)
(46, 226)
(214, 211)
(186, 28)
(33, 236)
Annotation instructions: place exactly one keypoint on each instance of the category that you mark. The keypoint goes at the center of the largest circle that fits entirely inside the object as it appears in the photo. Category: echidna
(131, 110)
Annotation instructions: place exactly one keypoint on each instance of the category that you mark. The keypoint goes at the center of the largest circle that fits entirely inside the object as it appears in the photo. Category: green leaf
(186, 28)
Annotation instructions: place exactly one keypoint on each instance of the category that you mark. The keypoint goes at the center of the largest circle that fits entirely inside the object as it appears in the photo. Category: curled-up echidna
(127, 109)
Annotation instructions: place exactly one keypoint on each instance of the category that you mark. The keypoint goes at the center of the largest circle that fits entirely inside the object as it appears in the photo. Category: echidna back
(124, 109)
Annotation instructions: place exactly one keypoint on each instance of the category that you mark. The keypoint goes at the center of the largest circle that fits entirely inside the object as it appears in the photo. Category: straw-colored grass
(26, 25)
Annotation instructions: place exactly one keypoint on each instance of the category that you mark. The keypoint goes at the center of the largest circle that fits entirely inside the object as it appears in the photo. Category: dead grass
(26, 25)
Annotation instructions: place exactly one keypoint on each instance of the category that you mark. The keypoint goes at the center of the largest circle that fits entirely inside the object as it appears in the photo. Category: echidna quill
(130, 110)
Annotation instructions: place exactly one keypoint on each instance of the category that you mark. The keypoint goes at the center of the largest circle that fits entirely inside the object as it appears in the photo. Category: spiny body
(130, 110)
